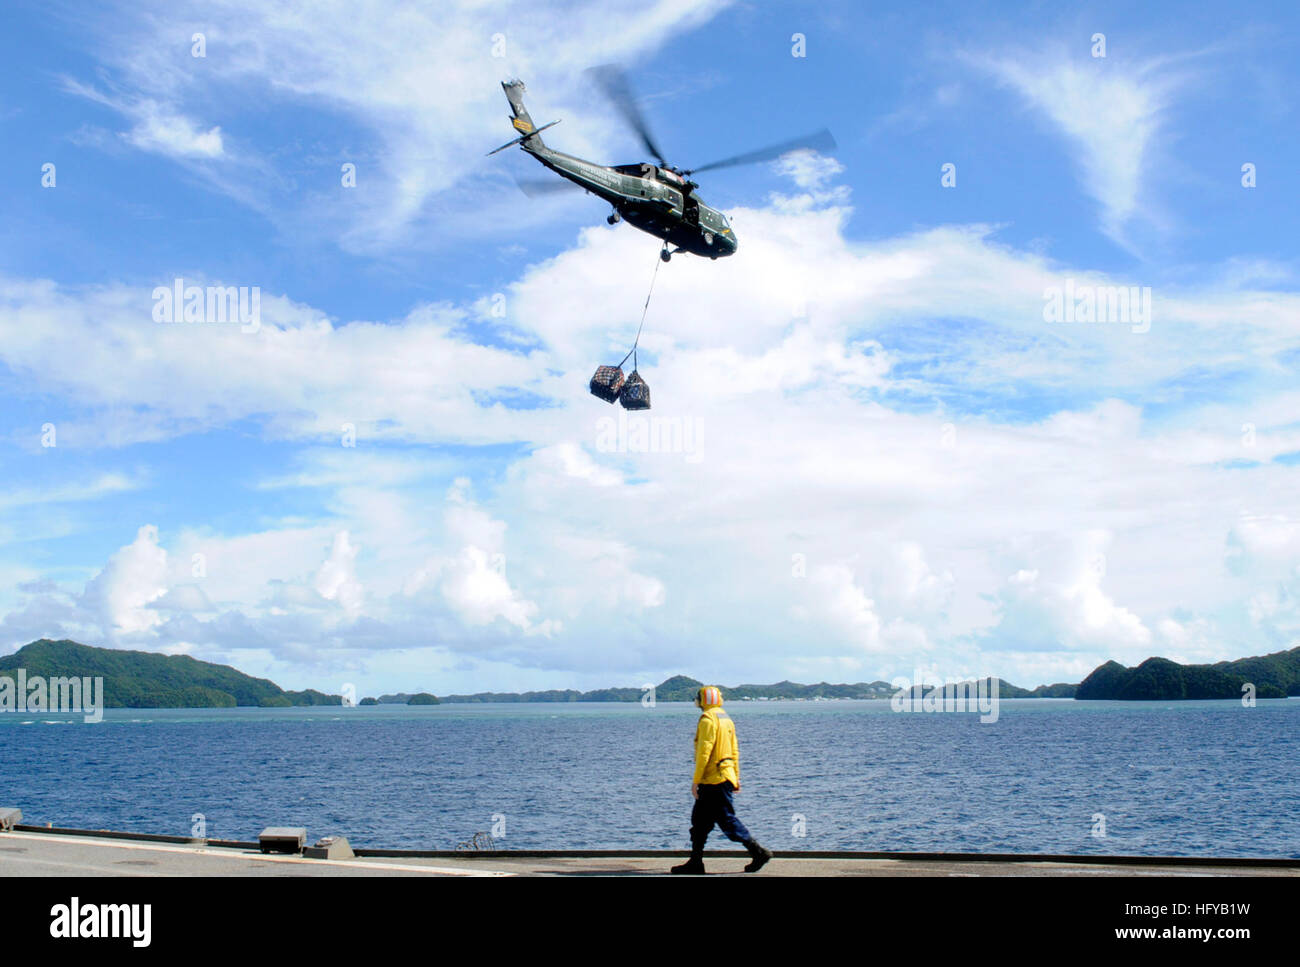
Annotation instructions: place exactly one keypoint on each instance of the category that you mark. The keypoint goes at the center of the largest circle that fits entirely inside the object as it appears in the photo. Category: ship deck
(37, 851)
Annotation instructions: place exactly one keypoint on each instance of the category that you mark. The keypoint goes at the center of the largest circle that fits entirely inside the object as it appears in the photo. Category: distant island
(679, 688)
(140, 679)
(144, 679)
(1158, 679)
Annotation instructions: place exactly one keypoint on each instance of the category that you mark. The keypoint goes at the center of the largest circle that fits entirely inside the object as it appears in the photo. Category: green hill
(680, 688)
(554, 695)
(1159, 679)
(141, 679)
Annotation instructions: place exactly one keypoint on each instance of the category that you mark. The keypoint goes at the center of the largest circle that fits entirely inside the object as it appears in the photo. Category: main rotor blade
(818, 140)
(613, 82)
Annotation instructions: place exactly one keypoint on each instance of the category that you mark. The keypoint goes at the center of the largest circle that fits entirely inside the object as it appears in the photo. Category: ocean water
(1188, 779)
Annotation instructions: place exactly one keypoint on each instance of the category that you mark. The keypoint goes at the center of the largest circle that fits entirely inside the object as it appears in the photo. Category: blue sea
(1166, 778)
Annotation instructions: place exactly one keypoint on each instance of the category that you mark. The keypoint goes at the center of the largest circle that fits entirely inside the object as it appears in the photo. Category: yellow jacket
(717, 755)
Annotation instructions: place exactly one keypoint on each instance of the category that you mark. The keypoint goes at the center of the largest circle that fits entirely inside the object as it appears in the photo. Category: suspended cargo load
(607, 382)
(635, 394)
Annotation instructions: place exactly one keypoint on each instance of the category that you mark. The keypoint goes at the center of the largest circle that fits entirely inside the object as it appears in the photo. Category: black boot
(760, 854)
(694, 865)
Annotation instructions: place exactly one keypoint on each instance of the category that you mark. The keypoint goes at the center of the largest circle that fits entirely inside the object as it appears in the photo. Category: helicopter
(659, 199)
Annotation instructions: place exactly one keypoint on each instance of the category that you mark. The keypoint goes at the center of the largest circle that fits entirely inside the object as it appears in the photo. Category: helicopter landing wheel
(665, 254)
(614, 218)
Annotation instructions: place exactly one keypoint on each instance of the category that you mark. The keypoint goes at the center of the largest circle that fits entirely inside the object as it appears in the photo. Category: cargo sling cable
(644, 309)
(609, 384)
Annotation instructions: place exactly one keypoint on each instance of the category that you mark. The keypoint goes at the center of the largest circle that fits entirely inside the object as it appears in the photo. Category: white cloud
(813, 173)
(157, 126)
(576, 462)
(835, 598)
(1264, 538)
(298, 366)
(910, 582)
(853, 399)
(337, 578)
(1061, 602)
(132, 580)
(158, 129)
(1263, 552)
(808, 169)
(1111, 112)
(103, 485)
(428, 107)
(472, 579)
(183, 598)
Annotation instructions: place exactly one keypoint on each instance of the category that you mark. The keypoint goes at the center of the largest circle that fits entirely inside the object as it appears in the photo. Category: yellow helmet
(708, 696)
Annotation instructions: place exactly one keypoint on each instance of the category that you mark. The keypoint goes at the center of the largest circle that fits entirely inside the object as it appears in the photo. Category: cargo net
(610, 383)
(480, 842)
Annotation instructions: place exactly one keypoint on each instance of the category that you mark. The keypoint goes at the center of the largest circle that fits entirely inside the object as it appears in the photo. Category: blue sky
(890, 460)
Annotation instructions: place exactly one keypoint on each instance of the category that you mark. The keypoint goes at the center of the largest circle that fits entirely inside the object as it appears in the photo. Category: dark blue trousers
(714, 807)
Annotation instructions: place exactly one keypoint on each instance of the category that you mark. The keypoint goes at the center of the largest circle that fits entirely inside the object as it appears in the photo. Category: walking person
(717, 777)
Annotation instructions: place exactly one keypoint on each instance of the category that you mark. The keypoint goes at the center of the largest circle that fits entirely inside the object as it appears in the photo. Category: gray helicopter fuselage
(656, 200)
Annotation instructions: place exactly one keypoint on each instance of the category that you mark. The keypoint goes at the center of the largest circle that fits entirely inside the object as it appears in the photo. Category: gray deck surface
(25, 853)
